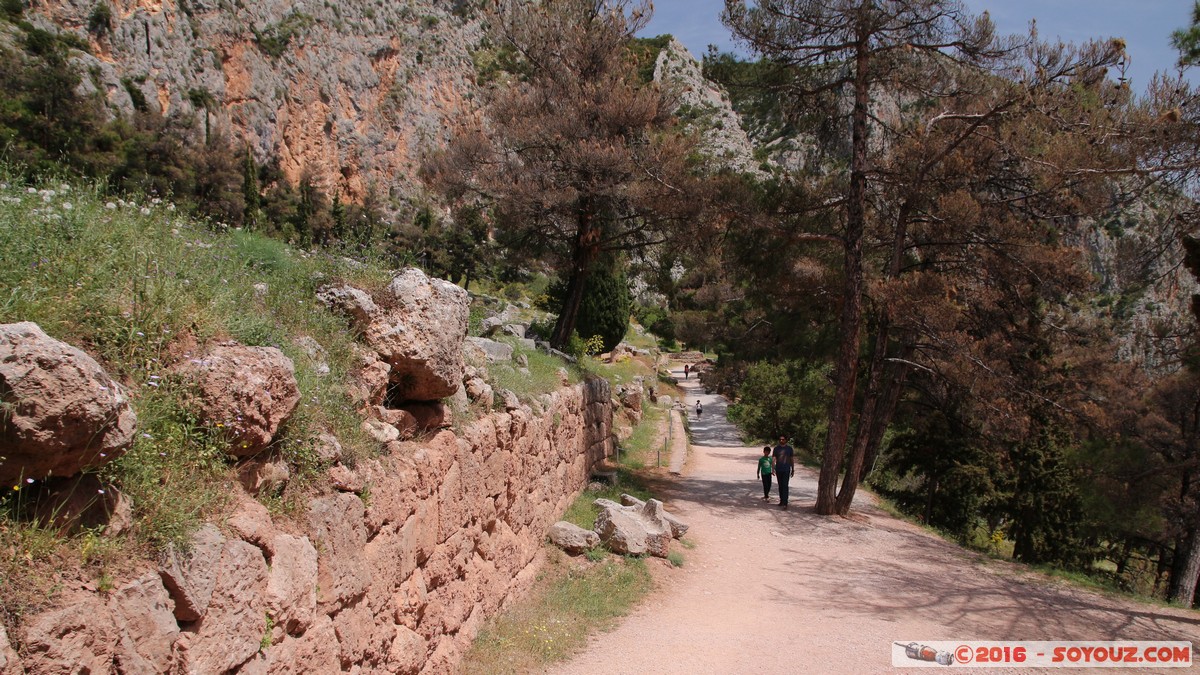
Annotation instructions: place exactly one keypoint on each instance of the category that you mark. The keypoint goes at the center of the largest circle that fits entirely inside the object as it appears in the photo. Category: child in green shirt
(764, 470)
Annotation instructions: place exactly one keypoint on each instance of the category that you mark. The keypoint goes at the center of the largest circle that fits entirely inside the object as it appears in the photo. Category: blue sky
(1145, 25)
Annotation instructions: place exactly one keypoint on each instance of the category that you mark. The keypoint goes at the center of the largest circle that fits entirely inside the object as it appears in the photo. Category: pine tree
(580, 158)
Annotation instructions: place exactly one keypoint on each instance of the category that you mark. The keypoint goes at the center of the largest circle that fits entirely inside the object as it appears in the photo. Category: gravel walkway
(771, 591)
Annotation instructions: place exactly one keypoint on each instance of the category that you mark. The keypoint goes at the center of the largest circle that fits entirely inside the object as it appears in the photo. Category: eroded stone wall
(397, 574)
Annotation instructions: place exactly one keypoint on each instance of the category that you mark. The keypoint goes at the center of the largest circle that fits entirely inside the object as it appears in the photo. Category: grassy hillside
(142, 288)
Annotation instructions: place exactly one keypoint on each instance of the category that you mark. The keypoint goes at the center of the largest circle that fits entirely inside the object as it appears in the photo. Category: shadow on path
(921, 575)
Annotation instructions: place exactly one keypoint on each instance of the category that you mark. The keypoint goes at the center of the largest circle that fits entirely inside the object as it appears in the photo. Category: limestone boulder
(516, 330)
(336, 527)
(572, 538)
(628, 530)
(678, 527)
(631, 401)
(484, 349)
(420, 335)
(63, 412)
(328, 448)
(353, 303)
(316, 651)
(249, 392)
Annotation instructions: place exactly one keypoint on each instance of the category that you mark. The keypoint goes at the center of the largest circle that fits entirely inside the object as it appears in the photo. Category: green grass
(642, 447)
(583, 511)
(543, 376)
(572, 601)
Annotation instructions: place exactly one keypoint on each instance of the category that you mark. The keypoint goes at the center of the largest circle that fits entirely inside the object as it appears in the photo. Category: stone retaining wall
(395, 575)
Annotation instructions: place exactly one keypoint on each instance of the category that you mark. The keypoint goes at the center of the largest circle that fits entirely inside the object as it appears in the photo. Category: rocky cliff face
(355, 91)
(705, 108)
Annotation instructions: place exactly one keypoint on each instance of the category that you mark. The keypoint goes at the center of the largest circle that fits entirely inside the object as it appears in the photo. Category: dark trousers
(766, 484)
(784, 476)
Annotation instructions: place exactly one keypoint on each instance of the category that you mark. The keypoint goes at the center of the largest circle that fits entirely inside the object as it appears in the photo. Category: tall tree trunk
(930, 495)
(841, 408)
(1186, 569)
(879, 404)
(1124, 561)
(883, 384)
(587, 249)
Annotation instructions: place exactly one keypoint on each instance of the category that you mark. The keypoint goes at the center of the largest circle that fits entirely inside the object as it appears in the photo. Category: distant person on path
(685, 371)
(699, 409)
(764, 471)
(783, 458)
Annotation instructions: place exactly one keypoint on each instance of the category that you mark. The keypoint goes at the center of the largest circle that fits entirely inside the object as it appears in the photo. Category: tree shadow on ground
(922, 576)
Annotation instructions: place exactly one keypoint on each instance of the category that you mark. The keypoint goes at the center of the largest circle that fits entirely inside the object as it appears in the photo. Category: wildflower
(110, 206)
(29, 480)
(67, 206)
(32, 191)
(48, 197)
(101, 490)
(170, 207)
(145, 211)
(152, 383)
(141, 334)
(145, 435)
(16, 488)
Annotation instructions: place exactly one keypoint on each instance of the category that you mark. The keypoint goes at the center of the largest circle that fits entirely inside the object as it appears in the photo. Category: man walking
(783, 459)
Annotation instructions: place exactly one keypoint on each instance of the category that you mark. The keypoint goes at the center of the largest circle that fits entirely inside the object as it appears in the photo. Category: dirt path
(771, 591)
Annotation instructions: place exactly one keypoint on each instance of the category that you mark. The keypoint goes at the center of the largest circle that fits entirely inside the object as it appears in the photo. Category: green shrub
(275, 38)
(12, 9)
(783, 398)
(101, 19)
